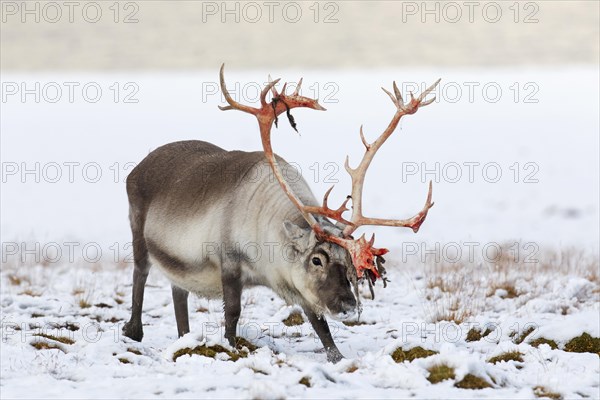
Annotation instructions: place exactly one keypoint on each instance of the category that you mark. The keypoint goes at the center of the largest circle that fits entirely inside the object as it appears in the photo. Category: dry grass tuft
(472, 382)
(30, 292)
(61, 339)
(356, 323)
(210, 351)
(16, 279)
(539, 341)
(540, 391)
(399, 355)
(293, 319)
(241, 345)
(509, 289)
(474, 335)
(83, 303)
(453, 293)
(439, 373)
(305, 381)
(42, 345)
(66, 325)
(351, 369)
(520, 339)
(508, 356)
(241, 342)
(456, 291)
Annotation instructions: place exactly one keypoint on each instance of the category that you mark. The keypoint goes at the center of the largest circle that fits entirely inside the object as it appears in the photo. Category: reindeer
(193, 209)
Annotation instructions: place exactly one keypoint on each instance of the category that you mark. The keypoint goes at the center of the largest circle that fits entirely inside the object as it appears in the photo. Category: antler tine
(326, 196)
(298, 86)
(362, 137)
(429, 90)
(269, 86)
(358, 174)
(273, 89)
(398, 94)
(328, 212)
(233, 105)
(394, 100)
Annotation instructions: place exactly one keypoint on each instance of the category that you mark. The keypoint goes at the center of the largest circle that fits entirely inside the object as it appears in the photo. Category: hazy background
(328, 34)
(156, 63)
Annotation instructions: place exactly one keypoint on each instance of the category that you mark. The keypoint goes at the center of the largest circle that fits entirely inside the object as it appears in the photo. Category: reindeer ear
(293, 231)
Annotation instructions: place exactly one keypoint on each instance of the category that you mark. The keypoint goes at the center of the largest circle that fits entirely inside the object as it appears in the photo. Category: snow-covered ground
(559, 304)
(63, 203)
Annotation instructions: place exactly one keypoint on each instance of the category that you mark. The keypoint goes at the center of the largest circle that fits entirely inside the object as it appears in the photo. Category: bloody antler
(362, 251)
(266, 116)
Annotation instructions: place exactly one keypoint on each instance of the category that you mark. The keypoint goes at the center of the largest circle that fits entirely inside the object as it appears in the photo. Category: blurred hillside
(105, 35)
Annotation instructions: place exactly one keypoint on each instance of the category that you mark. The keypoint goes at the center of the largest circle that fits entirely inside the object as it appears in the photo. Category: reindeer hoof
(334, 356)
(133, 331)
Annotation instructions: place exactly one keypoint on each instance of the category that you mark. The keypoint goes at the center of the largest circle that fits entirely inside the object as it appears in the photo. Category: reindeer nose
(348, 313)
(349, 303)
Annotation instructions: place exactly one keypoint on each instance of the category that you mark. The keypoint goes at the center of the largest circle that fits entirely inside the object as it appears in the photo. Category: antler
(362, 252)
(268, 114)
(358, 174)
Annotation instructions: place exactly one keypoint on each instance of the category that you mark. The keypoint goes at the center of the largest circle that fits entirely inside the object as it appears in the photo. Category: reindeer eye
(316, 261)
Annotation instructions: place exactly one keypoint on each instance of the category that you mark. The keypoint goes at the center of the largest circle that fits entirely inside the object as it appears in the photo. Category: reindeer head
(365, 258)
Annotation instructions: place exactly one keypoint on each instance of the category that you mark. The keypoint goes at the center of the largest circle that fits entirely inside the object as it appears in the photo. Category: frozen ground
(90, 305)
(546, 203)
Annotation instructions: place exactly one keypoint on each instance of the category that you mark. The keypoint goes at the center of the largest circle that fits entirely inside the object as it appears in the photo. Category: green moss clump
(210, 351)
(439, 373)
(473, 335)
(399, 355)
(295, 318)
(472, 382)
(542, 340)
(540, 391)
(123, 360)
(305, 381)
(584, 344)
(61, 339)
(508, 356)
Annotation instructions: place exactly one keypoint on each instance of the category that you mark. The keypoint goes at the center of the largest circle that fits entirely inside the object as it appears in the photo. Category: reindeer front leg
(320, 326)
(232, 298)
